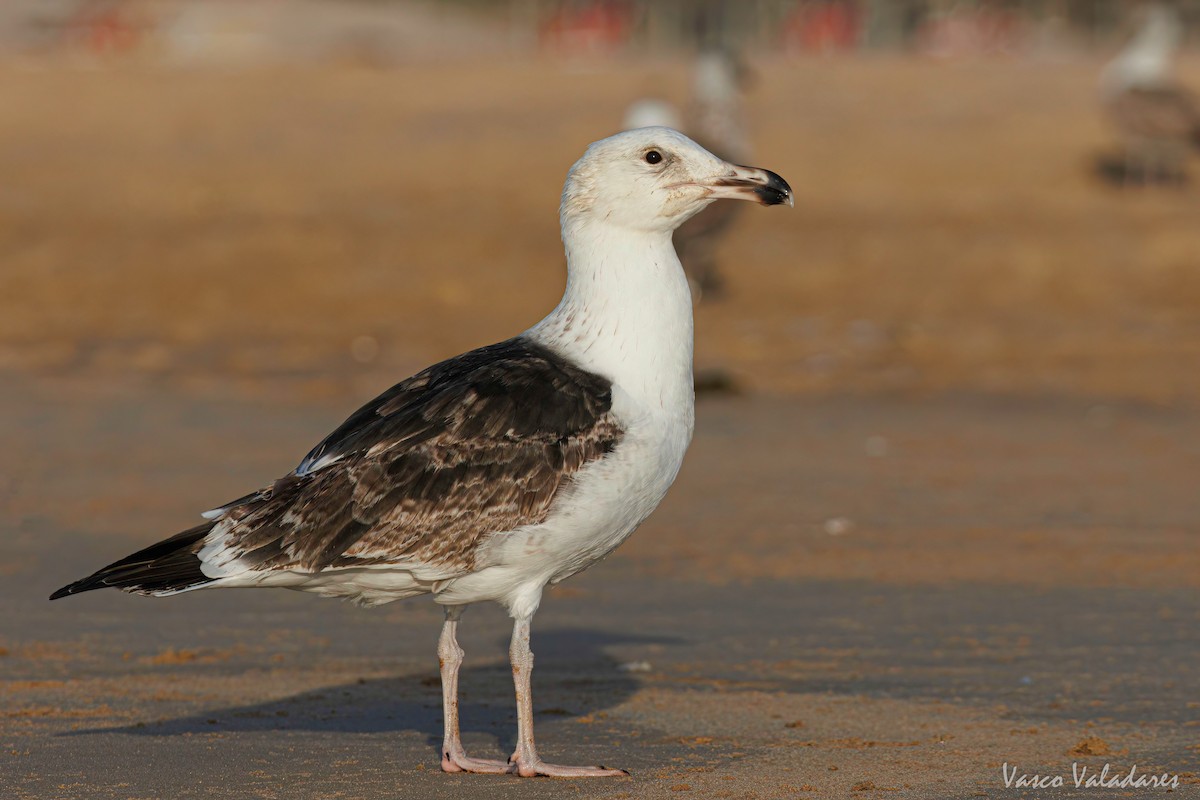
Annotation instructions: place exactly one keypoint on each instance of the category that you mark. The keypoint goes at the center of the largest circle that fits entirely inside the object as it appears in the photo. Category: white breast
(606, 503)
(613, 496)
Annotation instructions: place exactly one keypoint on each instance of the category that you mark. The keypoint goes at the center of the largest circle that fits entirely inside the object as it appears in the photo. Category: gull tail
(165, 568)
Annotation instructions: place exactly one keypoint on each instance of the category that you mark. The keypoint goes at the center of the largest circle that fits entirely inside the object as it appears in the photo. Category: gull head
(655, 179)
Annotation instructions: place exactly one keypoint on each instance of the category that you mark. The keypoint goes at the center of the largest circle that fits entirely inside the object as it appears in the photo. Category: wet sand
(775, 654)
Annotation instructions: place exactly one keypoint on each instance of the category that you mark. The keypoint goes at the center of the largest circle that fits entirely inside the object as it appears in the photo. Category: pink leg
(450, 656)
(525, 760)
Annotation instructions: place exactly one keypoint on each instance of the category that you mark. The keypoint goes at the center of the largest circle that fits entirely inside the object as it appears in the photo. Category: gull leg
(525, 760)
(450, 656)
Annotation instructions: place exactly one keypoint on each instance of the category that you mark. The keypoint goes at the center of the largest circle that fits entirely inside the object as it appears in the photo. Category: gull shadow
(1114, 169)
(573, 676)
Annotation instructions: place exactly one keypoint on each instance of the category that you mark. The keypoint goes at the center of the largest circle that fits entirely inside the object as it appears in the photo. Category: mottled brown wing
(1167, 112)
(472, 446)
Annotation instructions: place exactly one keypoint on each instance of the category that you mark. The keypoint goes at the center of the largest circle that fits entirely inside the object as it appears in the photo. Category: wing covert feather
(473, 446)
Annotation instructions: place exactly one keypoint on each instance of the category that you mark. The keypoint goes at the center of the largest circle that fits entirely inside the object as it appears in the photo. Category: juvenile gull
(1157, 118)
(493, 474)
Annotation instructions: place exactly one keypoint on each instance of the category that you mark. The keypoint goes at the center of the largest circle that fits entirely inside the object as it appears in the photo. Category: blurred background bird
(715, 117)
(1157, 118)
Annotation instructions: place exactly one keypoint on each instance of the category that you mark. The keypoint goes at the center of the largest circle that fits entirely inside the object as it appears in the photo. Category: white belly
(605, 504)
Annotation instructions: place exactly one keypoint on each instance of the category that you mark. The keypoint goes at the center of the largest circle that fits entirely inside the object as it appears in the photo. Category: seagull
(1158, 119)
(493, 474)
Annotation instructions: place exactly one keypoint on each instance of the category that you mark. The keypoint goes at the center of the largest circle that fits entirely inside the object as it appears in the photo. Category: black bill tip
(775, 192)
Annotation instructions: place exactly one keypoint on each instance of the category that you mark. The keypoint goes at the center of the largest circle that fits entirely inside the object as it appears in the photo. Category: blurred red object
(104, 28)
(823, 27)
(594, 28)
(986, 30)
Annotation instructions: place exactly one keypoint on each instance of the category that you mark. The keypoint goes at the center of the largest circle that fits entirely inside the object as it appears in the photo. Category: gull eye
(653, 157)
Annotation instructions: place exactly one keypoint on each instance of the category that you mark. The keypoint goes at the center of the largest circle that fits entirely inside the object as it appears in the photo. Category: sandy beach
(944, 522)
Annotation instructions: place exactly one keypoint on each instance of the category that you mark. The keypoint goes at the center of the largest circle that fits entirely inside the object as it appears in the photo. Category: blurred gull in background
(1158, 120)
(716, 119)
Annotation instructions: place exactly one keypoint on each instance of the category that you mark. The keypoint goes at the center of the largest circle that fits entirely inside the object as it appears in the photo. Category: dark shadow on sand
(573, 676)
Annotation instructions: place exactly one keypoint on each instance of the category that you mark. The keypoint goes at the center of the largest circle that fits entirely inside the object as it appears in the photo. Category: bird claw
(541, 768)
(461, 762)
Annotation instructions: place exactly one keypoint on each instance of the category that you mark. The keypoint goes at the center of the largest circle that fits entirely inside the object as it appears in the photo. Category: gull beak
(750, 183)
